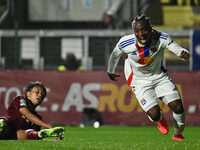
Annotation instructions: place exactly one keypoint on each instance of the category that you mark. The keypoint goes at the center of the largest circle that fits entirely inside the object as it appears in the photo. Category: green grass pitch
(111, 138)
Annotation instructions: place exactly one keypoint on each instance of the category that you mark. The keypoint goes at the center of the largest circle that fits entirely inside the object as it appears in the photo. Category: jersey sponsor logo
(145, 61)
(143, 101)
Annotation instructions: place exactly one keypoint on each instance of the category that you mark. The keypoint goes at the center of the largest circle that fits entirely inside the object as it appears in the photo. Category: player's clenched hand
(184, 55)
(113, 76)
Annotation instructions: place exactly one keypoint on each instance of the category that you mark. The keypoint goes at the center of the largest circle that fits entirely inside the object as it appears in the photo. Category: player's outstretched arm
(112, 63)
(33, 118)
(185, 55)
(113, 76)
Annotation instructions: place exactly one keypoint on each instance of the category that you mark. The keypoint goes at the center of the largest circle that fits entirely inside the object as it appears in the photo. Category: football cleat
(53, 132)
(162, 126)
(178, 137)
(2, 124)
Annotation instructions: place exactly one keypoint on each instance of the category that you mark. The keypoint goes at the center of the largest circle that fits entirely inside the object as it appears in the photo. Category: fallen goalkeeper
(22, 122)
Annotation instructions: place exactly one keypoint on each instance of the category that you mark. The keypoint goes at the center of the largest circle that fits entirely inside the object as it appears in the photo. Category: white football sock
(179, 123)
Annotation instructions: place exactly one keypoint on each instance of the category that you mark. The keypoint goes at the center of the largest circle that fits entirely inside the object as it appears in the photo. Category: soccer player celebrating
(145, 73)
(22, 121)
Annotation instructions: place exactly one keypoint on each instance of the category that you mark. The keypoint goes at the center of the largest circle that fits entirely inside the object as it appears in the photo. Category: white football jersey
(146, 61)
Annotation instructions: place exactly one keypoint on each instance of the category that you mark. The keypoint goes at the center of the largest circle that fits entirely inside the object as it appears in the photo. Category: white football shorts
(148, 91)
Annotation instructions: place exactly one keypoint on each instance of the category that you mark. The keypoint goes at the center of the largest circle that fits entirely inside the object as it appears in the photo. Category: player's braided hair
(146, 21)
(31, 85)
(141, 18)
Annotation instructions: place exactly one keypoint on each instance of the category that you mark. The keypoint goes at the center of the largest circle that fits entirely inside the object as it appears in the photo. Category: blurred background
(42, 35)
(38, 34)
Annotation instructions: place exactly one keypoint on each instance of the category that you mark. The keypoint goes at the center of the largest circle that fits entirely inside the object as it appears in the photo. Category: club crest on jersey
(143, 101)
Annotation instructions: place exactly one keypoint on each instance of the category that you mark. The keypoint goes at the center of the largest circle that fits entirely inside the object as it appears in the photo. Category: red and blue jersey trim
(143, 51)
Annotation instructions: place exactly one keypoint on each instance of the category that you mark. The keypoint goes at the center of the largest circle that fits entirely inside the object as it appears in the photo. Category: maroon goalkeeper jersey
(16, 118)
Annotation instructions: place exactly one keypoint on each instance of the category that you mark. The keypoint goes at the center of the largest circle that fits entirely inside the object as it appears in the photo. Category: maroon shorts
(9, 131)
